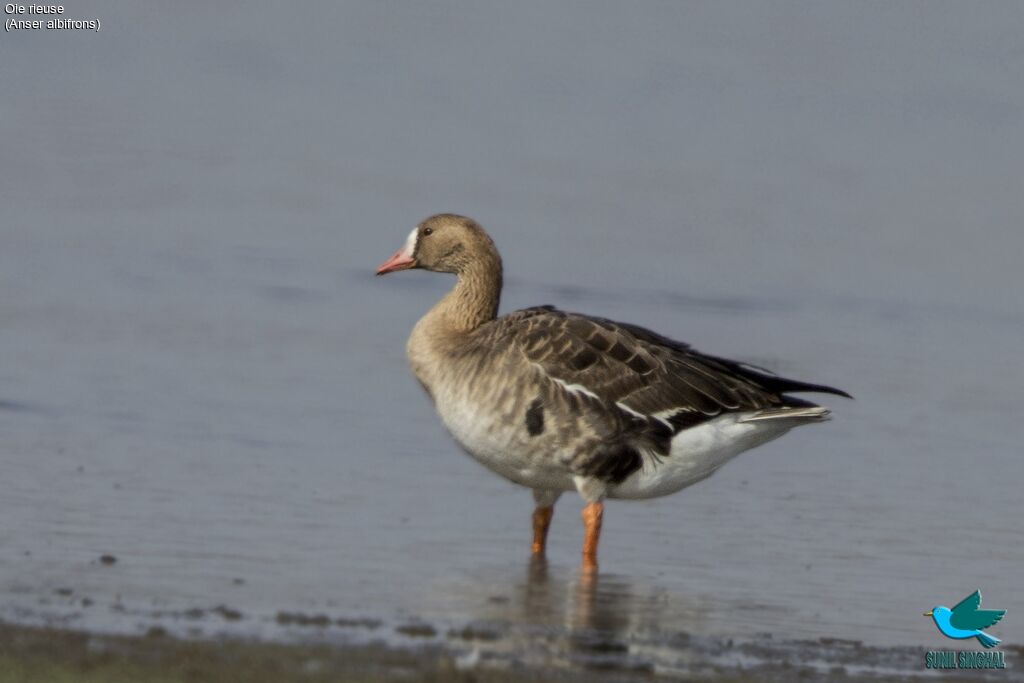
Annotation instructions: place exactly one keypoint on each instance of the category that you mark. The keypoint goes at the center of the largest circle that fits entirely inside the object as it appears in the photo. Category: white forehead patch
(410, 243)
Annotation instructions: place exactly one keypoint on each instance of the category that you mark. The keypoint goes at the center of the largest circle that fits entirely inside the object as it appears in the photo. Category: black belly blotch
(535, 417)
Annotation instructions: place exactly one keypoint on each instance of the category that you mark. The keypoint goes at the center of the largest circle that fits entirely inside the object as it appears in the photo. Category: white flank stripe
(629, 410)
(623, 406)
(576, 388)
(661, 416)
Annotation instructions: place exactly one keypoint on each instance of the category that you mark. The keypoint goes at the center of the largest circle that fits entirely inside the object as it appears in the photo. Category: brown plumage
(555, 400)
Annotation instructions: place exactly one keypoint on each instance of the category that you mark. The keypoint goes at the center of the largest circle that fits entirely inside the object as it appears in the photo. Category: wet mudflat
(45, 655)
(207, 425)
(31, 654)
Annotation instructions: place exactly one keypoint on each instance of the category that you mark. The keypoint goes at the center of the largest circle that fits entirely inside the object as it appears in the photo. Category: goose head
(445, 243)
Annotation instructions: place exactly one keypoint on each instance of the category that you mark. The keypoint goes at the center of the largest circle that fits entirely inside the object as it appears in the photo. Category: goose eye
(428, 231)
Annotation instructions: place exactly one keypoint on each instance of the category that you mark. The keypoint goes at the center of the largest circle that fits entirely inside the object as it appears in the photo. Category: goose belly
(696, 454)
(503, 446)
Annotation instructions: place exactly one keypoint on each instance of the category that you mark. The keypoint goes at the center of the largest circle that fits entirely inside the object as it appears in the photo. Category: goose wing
(623, 392)
(633, 369)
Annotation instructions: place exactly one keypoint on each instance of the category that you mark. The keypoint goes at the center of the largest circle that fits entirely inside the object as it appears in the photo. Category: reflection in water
(549, 615)
(554, 617)
(587, 600)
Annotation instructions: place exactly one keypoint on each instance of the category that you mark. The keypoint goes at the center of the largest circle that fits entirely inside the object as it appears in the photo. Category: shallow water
(202, 378)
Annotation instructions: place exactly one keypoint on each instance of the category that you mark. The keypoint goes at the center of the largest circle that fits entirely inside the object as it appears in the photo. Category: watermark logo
(965, 621)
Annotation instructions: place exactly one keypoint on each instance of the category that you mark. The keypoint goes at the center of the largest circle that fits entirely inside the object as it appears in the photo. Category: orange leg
(541, 521)
(592, 513)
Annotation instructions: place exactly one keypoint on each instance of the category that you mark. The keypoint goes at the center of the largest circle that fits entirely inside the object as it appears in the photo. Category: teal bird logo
(966, 620)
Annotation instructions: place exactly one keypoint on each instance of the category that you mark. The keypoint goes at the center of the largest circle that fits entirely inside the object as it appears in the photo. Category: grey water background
(200, 376)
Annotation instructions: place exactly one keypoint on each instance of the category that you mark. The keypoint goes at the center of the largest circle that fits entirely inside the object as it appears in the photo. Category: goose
(558, 401)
